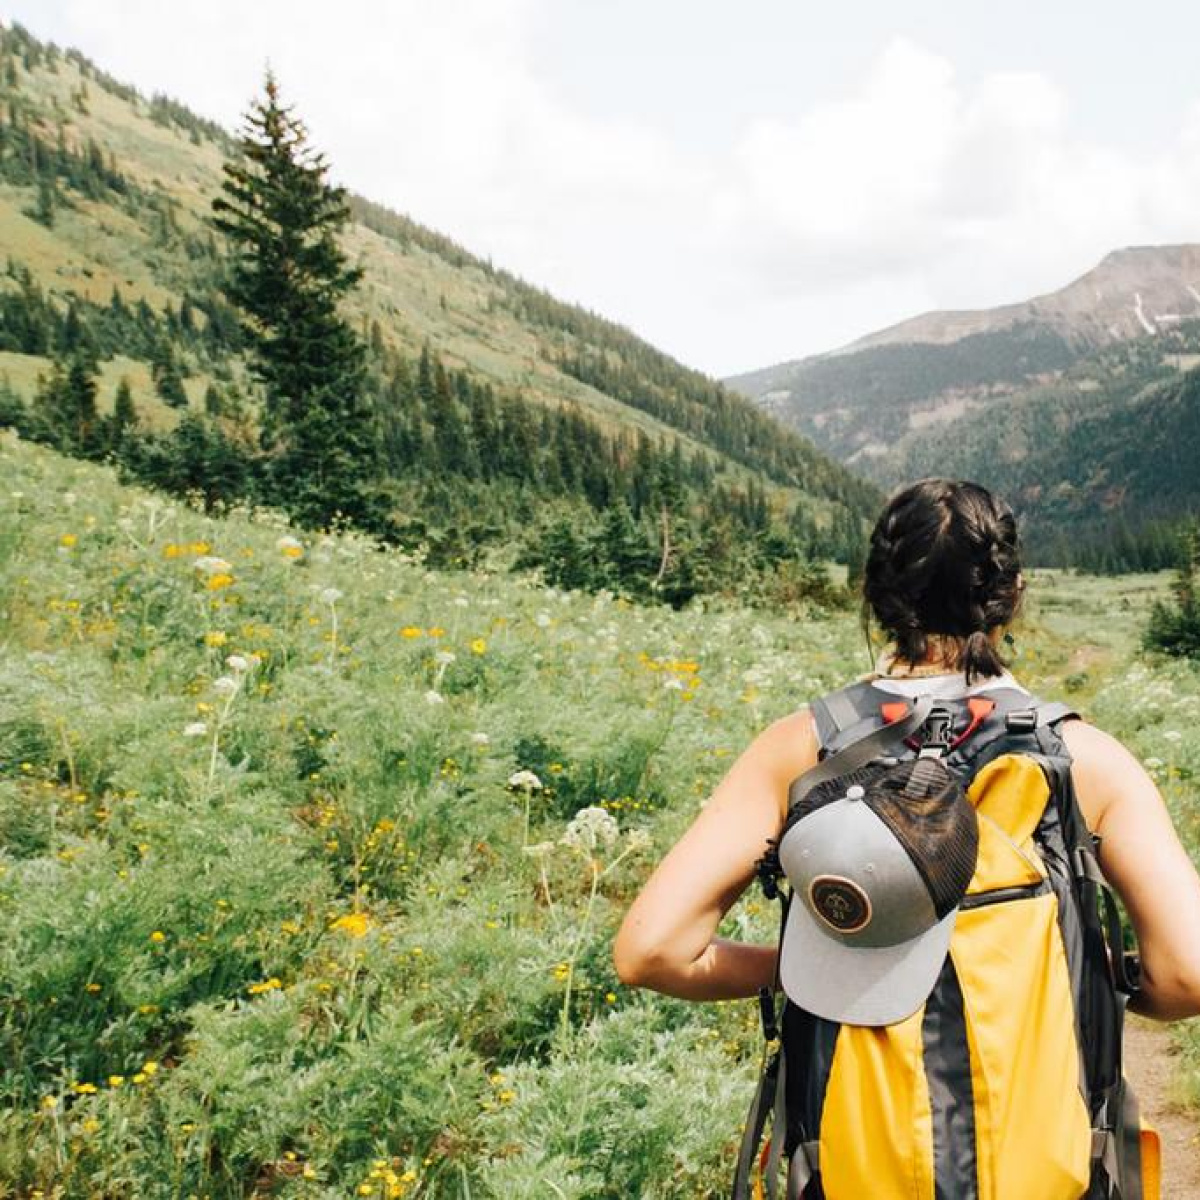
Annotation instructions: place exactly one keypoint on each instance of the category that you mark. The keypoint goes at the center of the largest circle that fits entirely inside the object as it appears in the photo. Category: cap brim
(859, 985)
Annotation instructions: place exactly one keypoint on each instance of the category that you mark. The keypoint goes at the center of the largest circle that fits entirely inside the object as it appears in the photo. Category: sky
(739, 184)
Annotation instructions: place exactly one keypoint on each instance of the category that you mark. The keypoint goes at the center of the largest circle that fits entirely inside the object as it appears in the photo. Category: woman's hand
(666, 941)
(1142, 858)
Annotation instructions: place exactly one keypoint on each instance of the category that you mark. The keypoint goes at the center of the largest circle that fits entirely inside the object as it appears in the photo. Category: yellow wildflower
(158, 936)
(436, 631)
(221, 579)
(267, 985)
(479, 646)
(411, 631)
(116, 1080)
(149, 1066)
(217, 637)
(91, 1125)
(85, 1089)
(68, 540)
(140, 1077)
(355, 924)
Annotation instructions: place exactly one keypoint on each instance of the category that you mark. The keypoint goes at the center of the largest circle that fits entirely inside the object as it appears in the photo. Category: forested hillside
(510, 425)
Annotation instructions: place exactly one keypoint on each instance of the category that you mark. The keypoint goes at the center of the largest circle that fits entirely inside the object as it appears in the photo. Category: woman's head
(943, 570)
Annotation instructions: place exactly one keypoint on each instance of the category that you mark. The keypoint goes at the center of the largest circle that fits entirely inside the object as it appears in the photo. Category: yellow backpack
(1006, 1084)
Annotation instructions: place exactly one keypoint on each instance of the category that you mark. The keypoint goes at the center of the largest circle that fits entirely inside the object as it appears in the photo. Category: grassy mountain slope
(148, 238)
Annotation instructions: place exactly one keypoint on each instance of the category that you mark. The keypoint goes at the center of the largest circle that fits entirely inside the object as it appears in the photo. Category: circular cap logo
(840, 903)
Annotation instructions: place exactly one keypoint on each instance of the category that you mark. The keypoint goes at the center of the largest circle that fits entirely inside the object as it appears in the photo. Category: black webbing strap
(1125, 968)
(835, 713)
(778, 1131)
(756, 1122)
(1052, 713)
(861, 752)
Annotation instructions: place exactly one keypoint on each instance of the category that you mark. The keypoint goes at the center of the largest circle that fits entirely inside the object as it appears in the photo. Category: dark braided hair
(944, 562)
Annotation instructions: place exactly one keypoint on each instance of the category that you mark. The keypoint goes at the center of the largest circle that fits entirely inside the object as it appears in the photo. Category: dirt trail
(1150, 1064)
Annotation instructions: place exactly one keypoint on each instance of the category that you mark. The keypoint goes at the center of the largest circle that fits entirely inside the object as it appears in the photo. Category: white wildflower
(480, 739)
(540, 849)
(237, 663)
(672, 684)
(225, 685)
(195, 729)
(461, 602)
(639, 839)
(289, 546)
(444, 658)
(542, 620)
(330, 595)
(210, 564)
(432, 697)
(1173, 735)
(590, 829)
(525, 779)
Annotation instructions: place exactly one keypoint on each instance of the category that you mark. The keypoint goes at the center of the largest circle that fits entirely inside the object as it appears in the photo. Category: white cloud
(912, 188)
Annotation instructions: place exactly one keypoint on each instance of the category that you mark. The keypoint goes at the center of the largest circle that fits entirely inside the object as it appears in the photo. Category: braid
(944, 560)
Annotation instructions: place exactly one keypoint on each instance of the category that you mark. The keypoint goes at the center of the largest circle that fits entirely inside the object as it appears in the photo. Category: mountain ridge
(976, 392)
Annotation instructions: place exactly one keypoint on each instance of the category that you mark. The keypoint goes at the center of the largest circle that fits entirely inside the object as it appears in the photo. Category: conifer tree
(282, 218)
(1175, 628)
(124, 415)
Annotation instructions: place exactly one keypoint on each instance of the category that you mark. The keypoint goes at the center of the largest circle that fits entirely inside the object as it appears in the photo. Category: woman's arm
(1143, 860)
(667, 939)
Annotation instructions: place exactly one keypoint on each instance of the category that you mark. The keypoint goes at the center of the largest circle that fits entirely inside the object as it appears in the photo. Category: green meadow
(311, 857)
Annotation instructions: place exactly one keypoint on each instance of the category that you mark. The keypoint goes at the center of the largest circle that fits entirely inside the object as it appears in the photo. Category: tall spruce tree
(282, 219)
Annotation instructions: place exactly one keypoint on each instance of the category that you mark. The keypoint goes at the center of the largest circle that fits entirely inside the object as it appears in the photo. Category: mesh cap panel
(923, 804)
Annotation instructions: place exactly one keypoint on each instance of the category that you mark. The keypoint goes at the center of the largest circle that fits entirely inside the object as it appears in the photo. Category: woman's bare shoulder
(1103, 769)
(1092, 749)
(786, 748)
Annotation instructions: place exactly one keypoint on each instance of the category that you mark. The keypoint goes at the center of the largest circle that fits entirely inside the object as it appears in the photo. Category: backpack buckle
(937, 735)
(766, 1012)
(1024, 721)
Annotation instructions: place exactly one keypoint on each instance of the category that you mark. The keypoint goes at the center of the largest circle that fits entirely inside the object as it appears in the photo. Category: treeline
(203, 326)
(21, 50)
(882, 376)
(465, 469)
(611, 358)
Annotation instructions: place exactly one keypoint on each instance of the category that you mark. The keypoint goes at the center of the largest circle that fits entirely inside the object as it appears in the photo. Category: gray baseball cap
(878, 863)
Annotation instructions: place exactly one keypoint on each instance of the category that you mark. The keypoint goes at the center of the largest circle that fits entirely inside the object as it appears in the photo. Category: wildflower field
(311, 858)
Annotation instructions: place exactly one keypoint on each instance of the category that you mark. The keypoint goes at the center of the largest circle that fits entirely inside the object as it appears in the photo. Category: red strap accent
(980, 708)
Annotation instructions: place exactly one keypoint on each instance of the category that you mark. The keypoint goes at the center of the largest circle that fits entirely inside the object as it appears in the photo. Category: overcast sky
(740, 184)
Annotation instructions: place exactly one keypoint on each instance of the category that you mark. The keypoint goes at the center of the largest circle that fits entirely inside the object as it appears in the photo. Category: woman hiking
(951, 1003)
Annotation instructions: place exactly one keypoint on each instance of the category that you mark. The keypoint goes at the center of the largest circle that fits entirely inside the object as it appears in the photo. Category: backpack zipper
(1003, 895)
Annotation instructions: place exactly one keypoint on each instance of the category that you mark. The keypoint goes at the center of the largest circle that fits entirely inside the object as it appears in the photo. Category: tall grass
(296, 896)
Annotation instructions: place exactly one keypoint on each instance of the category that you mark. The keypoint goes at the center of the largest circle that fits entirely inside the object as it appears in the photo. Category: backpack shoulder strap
(836, 713)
